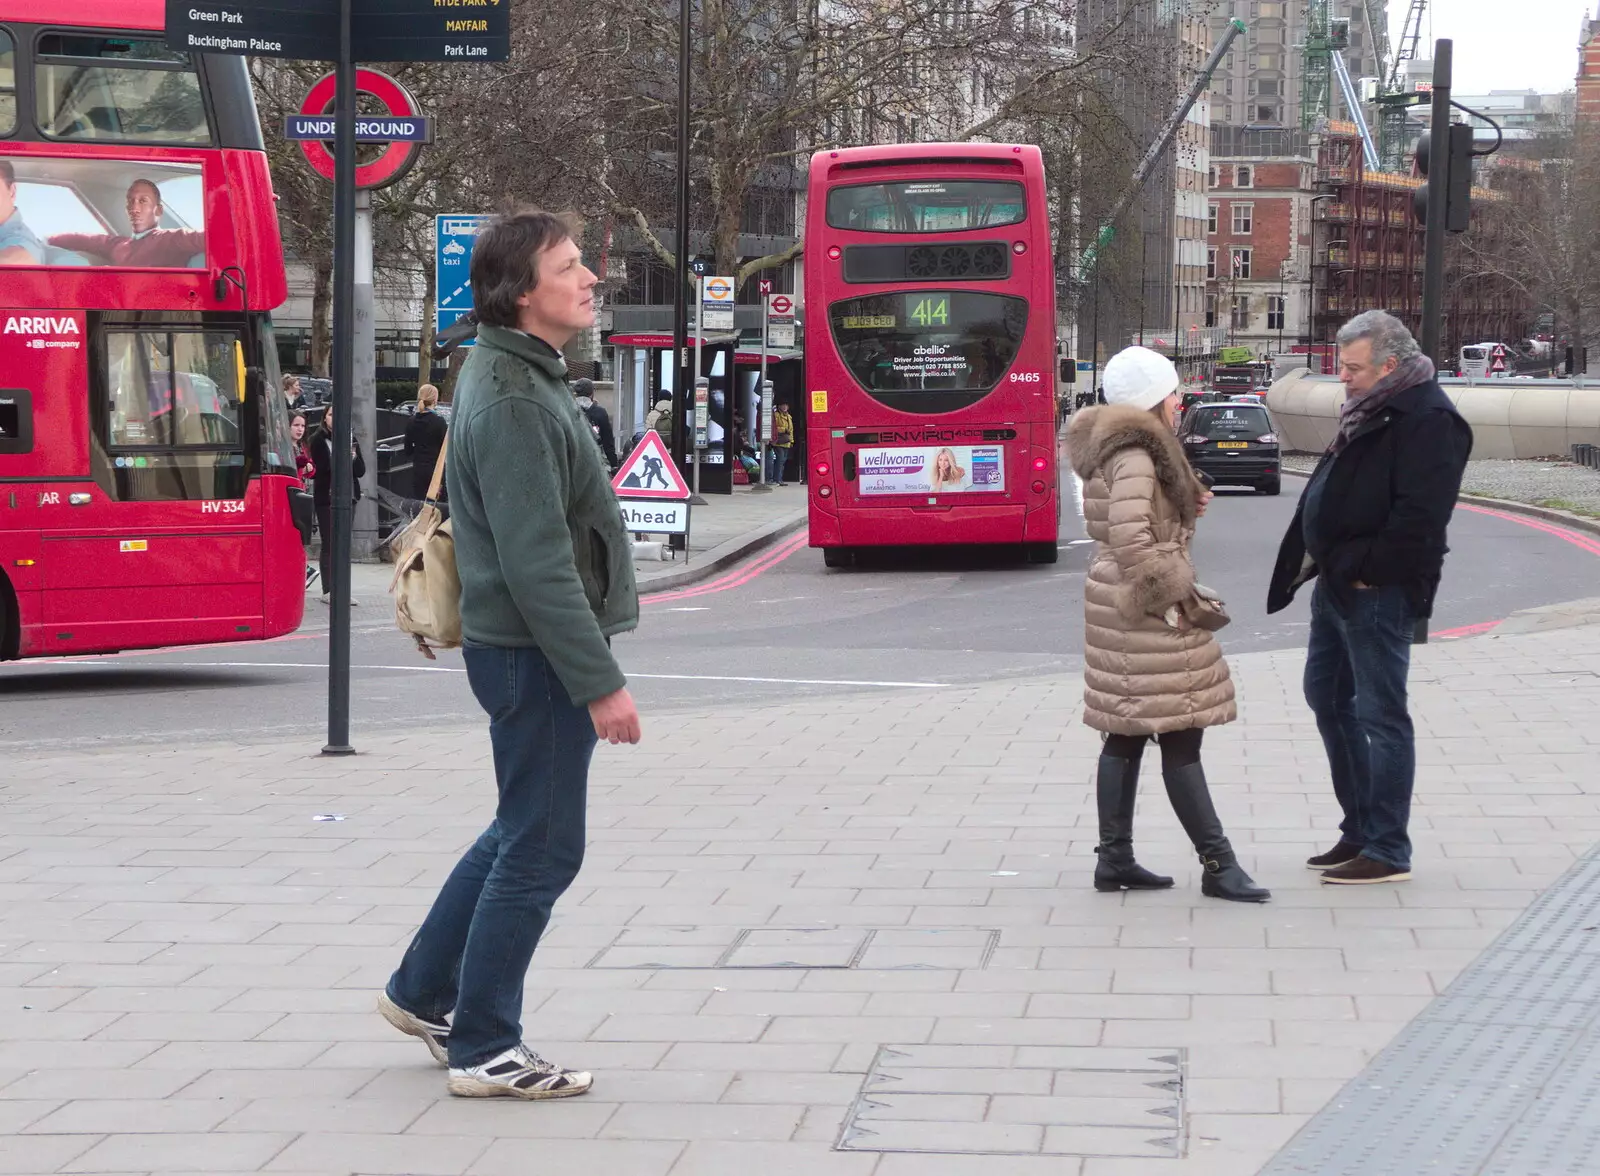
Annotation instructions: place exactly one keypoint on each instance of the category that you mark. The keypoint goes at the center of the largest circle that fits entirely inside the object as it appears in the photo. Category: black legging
(1179, 749)
(325, 548)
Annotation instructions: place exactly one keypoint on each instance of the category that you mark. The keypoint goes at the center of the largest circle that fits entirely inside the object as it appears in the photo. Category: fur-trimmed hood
(1097, 433)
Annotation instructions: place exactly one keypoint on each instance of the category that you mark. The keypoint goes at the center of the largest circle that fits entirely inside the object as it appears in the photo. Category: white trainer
(433, 1034)
(517, 1073)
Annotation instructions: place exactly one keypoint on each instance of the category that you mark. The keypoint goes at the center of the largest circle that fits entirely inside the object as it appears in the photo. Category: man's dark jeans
(1355, 684)
(474, 948)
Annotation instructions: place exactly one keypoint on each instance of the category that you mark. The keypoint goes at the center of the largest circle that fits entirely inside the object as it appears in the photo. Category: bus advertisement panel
(930, 349)
(64, 211)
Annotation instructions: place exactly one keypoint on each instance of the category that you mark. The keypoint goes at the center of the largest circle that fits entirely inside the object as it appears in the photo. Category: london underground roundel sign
(396, 158)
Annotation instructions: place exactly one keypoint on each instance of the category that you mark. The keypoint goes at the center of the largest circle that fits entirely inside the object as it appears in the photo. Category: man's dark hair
(583, 387)
(505, 260)
(8, 173)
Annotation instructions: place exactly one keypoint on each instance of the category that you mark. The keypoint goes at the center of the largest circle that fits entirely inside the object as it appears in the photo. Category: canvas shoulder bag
(426, 586)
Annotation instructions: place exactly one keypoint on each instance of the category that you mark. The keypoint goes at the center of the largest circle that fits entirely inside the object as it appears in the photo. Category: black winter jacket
(424, 438)
(1385, 506)
(322, 457)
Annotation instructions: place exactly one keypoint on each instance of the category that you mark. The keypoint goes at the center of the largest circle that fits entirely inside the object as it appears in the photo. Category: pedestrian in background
(305, 470)
(546, 580)
(782, 442)
(599, 421)
(1148, 671)
(320, 448)
(292, 395)
(424, 439)
(1370, 528)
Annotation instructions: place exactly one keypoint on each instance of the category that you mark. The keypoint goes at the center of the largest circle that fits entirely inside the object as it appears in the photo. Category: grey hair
(1389, 336)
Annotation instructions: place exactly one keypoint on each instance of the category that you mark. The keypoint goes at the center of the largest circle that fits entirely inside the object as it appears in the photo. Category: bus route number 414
(928, 312)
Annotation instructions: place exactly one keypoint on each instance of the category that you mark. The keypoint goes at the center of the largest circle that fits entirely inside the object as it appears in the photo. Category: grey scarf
(1357, 411)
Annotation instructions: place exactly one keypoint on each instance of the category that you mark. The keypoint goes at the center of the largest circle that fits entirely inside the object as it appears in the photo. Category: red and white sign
(396, 158)
(1497, 362)
(765, 285)
(780, 305)
(780, 320)
(650, 473)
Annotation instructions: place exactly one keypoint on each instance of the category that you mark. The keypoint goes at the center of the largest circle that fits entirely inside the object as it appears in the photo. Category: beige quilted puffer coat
(1142, 676)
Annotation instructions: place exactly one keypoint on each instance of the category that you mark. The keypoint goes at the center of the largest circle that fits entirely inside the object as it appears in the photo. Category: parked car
(1235, 443)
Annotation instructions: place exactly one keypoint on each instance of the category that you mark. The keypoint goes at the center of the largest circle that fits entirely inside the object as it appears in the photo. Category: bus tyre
(1042, 553)
(1273, 486)
(838, 557)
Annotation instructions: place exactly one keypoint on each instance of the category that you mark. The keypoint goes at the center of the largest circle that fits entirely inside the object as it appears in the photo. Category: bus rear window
(926, 206)
(8, 83)
(117, 89)
(929, 351)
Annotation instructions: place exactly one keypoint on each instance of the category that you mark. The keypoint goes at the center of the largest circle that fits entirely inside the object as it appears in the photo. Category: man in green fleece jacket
(546, 580)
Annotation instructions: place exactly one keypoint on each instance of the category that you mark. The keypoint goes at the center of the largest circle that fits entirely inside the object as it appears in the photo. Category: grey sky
(1503, 44)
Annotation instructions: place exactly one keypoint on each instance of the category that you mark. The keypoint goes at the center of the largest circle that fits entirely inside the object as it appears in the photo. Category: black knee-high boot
(1224, 877)
(1116, 786)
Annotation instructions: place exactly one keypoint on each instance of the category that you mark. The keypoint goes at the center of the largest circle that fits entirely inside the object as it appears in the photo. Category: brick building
(1302, 241)
(1589, 70)
(1257, 255)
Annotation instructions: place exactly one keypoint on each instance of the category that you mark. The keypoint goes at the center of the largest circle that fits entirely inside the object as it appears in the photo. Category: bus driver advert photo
(101, 212)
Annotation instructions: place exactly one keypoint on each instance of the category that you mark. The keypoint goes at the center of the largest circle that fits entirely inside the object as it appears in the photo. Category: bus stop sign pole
(343, 477)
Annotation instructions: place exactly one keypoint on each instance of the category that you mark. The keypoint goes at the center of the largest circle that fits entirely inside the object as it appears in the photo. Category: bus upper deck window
(8, 83)
(117, 89)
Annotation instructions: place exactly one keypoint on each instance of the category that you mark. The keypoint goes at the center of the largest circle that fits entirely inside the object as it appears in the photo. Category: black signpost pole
(343, 477)
(683, 380)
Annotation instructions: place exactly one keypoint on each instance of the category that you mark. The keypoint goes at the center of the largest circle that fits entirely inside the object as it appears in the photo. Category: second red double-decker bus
(148, 494)
(930, 349)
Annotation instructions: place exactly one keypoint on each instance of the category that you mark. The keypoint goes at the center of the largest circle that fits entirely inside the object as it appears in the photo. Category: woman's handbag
(1204, 609)
(426, 586)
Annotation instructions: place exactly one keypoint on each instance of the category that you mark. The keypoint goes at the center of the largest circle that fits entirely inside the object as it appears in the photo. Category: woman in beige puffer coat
(1147, 671)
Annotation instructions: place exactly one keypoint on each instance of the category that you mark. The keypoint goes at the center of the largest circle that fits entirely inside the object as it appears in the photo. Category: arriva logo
(40, 325)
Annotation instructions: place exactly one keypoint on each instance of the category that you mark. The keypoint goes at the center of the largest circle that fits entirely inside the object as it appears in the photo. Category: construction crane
(1392, 97)
(1163, 140)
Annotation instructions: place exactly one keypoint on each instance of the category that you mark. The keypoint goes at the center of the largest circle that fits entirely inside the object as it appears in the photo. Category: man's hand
(615, 718)
(1360, 586)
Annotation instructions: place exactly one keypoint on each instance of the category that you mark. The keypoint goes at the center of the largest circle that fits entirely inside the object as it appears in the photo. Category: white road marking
(690, 608)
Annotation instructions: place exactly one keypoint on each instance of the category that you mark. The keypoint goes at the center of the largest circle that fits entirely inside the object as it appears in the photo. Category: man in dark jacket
(320, 447)
(546, 580)
(1370, 528)
(599, 421)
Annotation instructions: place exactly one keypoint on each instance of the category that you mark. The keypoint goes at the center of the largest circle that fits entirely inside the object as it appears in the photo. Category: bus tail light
(1019, 247)
(1041, 464)
(834, 253)
(824, 491)
(1038, 486)
(823, 469)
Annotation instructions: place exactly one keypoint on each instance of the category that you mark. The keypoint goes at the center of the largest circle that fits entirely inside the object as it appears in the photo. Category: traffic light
(1458, 179)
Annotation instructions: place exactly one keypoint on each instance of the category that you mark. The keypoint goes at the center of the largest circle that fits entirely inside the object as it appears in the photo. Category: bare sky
(1503, 44)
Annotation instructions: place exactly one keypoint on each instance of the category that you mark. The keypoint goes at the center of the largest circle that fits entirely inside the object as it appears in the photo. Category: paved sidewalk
(850, 936)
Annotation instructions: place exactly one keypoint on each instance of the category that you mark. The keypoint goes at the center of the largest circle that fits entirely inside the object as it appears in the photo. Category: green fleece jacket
(540, 545)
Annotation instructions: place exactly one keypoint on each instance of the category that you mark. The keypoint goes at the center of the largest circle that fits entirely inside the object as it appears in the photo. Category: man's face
(144, 208)
(8, 199)
(563, 301)
(1357, 370)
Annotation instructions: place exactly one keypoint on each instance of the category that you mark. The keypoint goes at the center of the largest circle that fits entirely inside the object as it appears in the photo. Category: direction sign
(454, 235)
(304, 29)
(649, 473)
(716, 296)
(428, 30)
(395, 159)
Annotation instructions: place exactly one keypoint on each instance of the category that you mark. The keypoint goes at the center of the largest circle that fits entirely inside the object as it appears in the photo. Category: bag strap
(438, 471)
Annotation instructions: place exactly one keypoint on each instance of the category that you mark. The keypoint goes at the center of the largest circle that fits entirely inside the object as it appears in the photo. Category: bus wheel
(839, 557)
(1042, 553)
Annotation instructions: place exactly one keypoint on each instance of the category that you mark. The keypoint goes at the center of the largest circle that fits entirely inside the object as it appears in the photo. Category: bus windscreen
(926, 206)
(912, 351)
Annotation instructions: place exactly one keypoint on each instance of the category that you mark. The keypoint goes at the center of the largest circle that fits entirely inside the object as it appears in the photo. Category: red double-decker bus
(930, 349)
(147, 481)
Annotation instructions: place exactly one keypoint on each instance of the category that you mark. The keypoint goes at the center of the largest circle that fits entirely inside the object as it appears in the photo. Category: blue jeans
(777, 459)
(472, 953)
(1355, 684)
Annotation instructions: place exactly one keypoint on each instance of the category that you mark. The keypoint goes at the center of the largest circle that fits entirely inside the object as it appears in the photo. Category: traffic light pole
(1438, 190)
